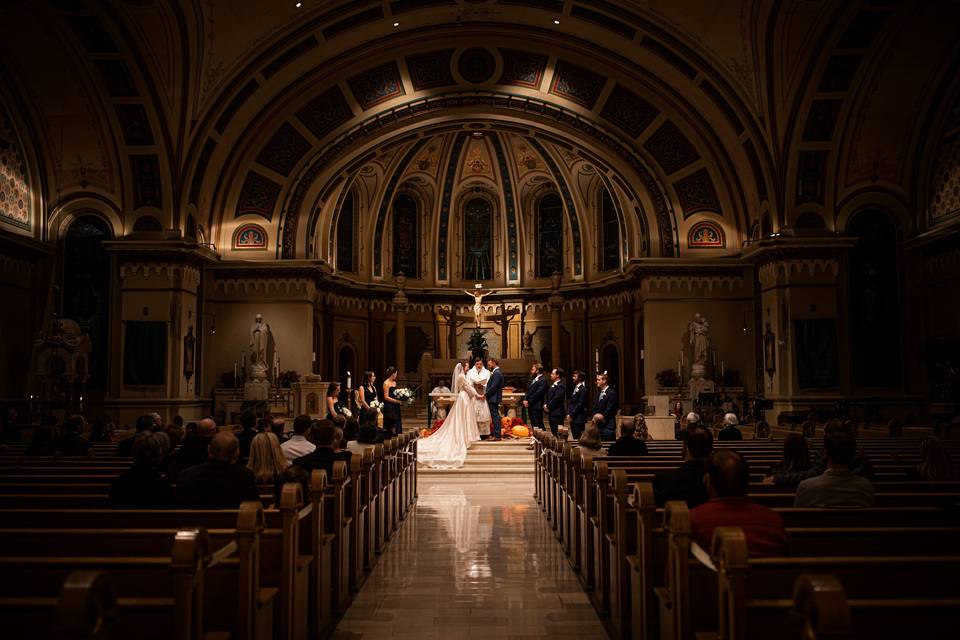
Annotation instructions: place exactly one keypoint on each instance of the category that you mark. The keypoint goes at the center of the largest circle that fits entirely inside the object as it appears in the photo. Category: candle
(348, 381)
(234, 373)
(313, 356)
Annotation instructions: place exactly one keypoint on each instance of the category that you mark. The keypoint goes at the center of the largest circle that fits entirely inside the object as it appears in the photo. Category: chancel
(512, 318)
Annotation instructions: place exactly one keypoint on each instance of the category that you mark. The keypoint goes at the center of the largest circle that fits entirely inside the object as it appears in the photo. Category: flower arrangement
(425, 433)
(377, 406)
(513, 428)
(346, 413)
(405, 395)
(668, 378)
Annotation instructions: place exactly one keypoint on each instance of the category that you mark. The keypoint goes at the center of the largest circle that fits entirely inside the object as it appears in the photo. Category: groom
(494, 394)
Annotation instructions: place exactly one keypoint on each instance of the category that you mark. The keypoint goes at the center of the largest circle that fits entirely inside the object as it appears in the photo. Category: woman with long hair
(366, 394)
(935, 462)
(266, 458)
(590, 438)
(391, 405)
(333, 400)
(795, 458)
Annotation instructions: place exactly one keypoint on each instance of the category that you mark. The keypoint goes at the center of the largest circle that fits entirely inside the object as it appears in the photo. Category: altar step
(508, 458)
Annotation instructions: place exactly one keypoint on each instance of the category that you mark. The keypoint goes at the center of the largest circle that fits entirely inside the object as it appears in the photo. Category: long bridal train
(447, 447)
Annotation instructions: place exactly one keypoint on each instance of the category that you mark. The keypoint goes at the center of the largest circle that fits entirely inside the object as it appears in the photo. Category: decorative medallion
(283, 150)
(577, 84)
(696, 193)
(258, 196)
(376, 85)
(522, 69)
(250, 237)
(476, 65)
(325, 113)
(670, 148)
(429, 70)
(629, 111)
(705, 235)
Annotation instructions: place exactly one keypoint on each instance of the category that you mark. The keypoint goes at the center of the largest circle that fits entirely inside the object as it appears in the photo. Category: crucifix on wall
(453, 320)
(503, 319)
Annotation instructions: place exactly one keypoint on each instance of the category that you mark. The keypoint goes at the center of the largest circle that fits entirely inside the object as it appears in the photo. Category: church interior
(220, 209)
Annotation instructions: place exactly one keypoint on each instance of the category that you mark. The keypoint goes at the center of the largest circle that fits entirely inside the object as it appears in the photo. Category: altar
(510, 401)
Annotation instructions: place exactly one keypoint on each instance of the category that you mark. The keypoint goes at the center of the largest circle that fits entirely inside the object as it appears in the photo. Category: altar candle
(234, 373)
(313, 356)
(596, 358)
(348, 381)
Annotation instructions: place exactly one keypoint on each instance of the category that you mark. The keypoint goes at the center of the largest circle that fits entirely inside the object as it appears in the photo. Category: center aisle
(478, 559)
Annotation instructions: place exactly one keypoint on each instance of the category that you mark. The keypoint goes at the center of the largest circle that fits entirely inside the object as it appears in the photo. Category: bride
(447, 447)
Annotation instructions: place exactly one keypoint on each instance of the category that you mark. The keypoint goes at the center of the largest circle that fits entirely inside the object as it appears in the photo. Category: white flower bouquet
(405, 395)
(346, 413)
(377, 406)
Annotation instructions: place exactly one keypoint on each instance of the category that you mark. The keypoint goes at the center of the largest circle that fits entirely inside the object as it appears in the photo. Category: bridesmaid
(366, 394)
(391, 406)
(333, 400)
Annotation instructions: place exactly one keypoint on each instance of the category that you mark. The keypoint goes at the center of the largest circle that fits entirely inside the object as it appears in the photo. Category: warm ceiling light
(396, 24)
(298, 5)
(556, 22)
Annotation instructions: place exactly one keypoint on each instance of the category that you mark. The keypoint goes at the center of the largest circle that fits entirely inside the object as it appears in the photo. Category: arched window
(86, 289)
(549, 236)
(405, 257)
(477, 240)
(609, 233)
(345, 235)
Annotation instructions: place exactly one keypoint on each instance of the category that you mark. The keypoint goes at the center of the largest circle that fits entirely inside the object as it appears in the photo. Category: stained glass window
(549, 236)
(477, 240)
(345, 235)
(405, 258)
(609, 233)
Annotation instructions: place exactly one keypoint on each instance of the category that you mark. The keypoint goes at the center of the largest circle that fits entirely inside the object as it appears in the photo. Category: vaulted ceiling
(223, 111)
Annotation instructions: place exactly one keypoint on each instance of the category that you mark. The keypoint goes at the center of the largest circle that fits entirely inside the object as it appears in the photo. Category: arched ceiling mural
(212, 113)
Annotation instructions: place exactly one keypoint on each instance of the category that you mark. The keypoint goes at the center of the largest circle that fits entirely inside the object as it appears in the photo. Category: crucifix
(504, 318)
(478, 295)
(453, 321)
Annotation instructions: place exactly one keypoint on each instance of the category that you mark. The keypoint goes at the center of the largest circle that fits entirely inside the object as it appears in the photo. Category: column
(400, 308)
(556, 304)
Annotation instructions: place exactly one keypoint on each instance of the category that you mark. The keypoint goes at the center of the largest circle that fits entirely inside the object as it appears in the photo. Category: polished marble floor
(476, 560)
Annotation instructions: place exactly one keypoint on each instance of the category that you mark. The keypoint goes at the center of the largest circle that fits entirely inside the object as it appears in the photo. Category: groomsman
(607, 406)
(494, 394)
(533, 398)
(553, 404)
(577, 411)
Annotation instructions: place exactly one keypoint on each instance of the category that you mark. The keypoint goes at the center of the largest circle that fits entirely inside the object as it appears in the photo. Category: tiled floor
(476, 560)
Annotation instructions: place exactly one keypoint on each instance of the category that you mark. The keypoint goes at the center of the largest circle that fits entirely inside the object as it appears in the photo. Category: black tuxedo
(683, 483)
(577, 409)
(554, 402)
(216, 485)
(534, 397)
(494, 394)
(607, 406)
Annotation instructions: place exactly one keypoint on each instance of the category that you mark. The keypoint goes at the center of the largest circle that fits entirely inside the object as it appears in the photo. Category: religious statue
(699, 338)
(527, 340)
(478, 295)
(189, 345)
(259, 338)
(769, 351)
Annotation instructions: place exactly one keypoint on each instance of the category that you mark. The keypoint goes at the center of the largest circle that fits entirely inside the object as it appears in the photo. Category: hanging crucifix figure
(478, 295)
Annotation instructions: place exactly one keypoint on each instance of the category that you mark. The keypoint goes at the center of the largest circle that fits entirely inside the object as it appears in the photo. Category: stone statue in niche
(527, 341)
(189, 348)
(700, 340)
(257, 386)
(769, 351)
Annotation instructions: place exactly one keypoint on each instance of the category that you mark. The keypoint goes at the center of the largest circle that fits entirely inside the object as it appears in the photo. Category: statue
(259, 337)
(700, 340)
(769, 351)
(527, 340)
(478, 296)
(189, 345)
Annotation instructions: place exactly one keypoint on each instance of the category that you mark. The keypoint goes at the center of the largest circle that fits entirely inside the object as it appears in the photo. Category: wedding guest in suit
(298, 445)
(142, 486)
(838, 485)
(607, 406)
(494, 394)
(577, 408)
(219, 483)
(731, 430)
(125, 447)
(686, 482)
(630, 443)
(554, 401)
(324, 455)
(533, 398)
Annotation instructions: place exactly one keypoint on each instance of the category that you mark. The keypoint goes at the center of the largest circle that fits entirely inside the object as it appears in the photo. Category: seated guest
(367, 436)
(219, 483)
(340, 445)
(350, 430)
(838, 486)
(640, 429)
(175, 433)
(692, 420)
(143, 486)
(248, 429)
(860, 464)
(266, 460)
(730, 429)
(100, 431)
(590, 438)
(628, 444)
(315, 426)
(298, 445)
(935, 462)
(71, 443)
(192, 452)
(208, 429)
(43, 440)
(293, 473)
(686, 482)
(277, 426)
(728, 481)
(323, 456)
(795, 460)
(166, 450)
(125, 447)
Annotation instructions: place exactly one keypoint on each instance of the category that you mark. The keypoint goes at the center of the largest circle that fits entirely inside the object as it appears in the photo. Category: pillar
(556, 304)
(400, 308)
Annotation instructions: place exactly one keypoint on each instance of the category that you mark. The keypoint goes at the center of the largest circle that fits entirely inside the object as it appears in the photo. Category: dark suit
(494, 394)
(730, 433)
(141, 487)
(555, 401)
(607, 406)
(628, 446)
(216, 485)
(684, 483)
(534, 397)
(578, 410)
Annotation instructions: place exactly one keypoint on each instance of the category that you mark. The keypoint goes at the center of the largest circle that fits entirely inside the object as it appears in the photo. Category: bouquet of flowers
(377, 406)
(346, 413)
(405, 395)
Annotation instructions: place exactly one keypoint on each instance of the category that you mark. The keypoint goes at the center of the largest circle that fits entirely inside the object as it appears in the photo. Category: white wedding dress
(447, 447)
